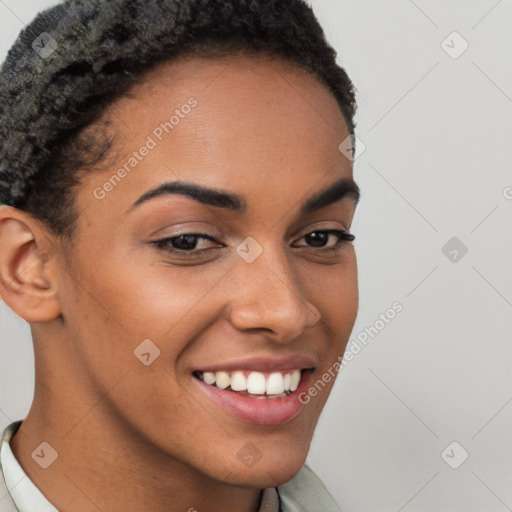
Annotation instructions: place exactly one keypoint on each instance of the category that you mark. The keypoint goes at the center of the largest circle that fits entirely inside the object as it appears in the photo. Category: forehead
(241, 87)
(256, 122)
(258, 68)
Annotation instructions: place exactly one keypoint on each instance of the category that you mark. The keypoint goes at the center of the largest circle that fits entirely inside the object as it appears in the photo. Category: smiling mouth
(254, 384)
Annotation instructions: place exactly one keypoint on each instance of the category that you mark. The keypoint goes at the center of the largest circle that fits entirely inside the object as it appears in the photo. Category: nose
(269, 296)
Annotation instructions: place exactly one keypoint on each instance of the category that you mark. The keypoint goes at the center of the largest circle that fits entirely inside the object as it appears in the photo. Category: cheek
(338, 296)
(118, 317)
(120, 305)
(143, 302)
(335, 290)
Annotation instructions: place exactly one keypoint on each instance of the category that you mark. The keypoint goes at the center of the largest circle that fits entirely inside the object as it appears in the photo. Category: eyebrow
(345, 187)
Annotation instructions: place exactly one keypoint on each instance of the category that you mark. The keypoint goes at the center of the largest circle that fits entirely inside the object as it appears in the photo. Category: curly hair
(73, 60)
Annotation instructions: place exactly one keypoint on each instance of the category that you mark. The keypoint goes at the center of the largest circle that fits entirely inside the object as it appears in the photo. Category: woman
(176, 230)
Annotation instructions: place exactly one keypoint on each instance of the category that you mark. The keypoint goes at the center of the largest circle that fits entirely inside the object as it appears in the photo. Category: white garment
(25, 494)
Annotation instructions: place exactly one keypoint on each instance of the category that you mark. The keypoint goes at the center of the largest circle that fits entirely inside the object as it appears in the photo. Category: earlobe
(27, 279)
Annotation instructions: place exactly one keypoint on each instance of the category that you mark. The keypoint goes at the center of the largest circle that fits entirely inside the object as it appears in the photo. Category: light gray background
(437, 165)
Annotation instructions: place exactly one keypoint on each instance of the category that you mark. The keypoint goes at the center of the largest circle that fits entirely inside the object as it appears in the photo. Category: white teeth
(209, 377)
(256, 383)
(275, 384)
(294, 380)
(222, 380)
(238, 382)
(287, 382)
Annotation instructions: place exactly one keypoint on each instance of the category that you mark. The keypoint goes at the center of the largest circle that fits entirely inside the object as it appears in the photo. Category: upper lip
(262, 364)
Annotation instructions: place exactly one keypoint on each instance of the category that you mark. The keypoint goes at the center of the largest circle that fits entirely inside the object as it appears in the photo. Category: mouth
(254, 384)
(257, 397)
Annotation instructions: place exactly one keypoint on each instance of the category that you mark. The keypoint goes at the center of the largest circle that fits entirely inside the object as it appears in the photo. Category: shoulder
(305, 492)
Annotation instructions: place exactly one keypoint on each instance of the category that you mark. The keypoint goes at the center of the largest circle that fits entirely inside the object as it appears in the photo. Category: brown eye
(319, 239)
(184, 244)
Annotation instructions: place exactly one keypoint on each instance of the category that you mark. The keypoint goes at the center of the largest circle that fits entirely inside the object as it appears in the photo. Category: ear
(27, 266)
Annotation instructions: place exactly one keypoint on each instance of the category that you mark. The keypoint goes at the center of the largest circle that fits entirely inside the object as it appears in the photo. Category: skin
(128, 435)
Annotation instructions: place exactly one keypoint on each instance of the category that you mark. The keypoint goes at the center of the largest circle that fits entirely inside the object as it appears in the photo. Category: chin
(272, 472)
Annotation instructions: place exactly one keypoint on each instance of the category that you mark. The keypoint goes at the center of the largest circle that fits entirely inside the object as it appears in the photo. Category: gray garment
(303, 493)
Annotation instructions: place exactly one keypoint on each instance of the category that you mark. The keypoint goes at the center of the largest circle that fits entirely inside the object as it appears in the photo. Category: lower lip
(260, 411)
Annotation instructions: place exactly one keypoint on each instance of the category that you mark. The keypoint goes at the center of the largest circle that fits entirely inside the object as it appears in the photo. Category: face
(172, 288)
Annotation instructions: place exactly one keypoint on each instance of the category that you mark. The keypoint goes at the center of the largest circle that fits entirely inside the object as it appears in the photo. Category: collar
(26, 496)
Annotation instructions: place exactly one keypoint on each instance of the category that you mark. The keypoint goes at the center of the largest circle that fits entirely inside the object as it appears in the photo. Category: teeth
(255, 383)
(294, 380)
(275, 384)
(238, 382)
(222, 380)
(209, 377)
(287, 382)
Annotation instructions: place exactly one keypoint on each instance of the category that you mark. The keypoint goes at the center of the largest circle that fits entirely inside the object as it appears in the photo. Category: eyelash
(343, 238)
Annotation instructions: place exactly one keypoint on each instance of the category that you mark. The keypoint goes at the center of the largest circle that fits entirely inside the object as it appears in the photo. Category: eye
(319, 239)
(185, 245)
